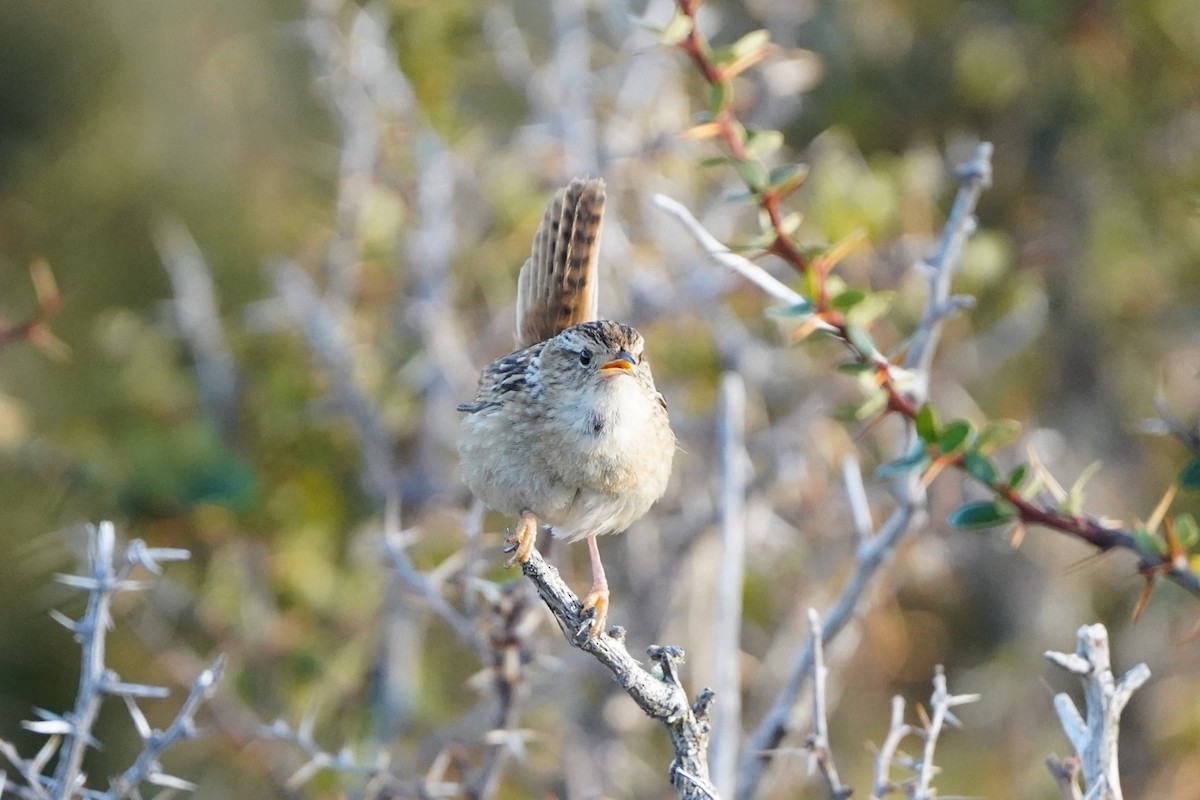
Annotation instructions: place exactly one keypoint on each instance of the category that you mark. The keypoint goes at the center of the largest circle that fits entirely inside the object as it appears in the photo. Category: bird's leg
(521, 541)
(597, 598)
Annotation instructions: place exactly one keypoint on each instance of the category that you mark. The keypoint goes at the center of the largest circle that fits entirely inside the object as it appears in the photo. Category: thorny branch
(71, 734)
(874, 550)
(904, 395)
(35, 328)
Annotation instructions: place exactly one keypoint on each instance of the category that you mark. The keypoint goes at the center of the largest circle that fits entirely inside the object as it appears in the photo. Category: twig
(818, 742)
(35, 328)
(1066, 775)
(146, 767)
(199, 322)
(856, 497)
(728, 615)
(510, 653)
(318, 758)
(726, 257)
(870, 556)
(659, 693)
(31, 769)
(872, 551)
(407, 574)
(886, 756)
(941, 703)
(974, 177)
(1095, 738)
(325, 336)
(107, 574)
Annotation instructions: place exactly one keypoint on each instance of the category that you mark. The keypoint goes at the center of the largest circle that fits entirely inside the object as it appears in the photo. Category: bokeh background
(287, 236)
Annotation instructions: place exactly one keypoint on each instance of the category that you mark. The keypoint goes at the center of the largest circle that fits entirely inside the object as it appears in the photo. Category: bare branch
(199, 321)
(940, 704)
(727, 628)
(818, 740)
(407, 574)
(1095, 737)
(974, 177)
(726, 257)
(659, 693)
(71, 734)
(322, 329)
(776, 724)
(873, 551)
(146, 767)
(897, 730)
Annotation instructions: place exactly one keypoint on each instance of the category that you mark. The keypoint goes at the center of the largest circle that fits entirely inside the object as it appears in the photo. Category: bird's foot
(596, 602)
(520, 542)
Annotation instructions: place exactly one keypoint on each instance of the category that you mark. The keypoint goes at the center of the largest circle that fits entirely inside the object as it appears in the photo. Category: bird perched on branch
(569, 429)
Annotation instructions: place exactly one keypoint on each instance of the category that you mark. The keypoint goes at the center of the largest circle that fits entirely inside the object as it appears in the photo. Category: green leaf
(1186, 531)
(760, 144)
(753, 174)
(786, 178)
(749, 44)
(802, 309)
(854, 367)
(1075, 497)
(677, 29)
(848, 299)
(953, 436)
(1189, 476)
(715, 161)
(927, 423)
(903, 465)
(873, 306)
(791, 223)
(1151, 542)
(874, 404)
(996, 434)
(980, 467)
(982, 514)
(720, 95)
(860, 341)
(1016, 477)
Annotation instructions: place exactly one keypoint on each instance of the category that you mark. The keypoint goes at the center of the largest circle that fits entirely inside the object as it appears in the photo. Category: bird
(568, 430)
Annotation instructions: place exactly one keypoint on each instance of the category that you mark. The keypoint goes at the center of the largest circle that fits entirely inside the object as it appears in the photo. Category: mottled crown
(605, 334)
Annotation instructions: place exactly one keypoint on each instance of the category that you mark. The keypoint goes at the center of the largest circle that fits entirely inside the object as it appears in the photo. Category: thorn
(1147, 590)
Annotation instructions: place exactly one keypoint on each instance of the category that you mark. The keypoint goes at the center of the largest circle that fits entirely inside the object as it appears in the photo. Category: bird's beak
(623, 361)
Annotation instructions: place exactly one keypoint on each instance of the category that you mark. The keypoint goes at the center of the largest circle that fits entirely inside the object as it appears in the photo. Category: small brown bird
(569, 429)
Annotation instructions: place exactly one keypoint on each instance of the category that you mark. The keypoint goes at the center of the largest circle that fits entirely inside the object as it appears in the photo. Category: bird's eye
(585, 357)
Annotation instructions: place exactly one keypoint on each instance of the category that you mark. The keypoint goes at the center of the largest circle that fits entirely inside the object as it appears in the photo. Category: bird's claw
(520, 542)
(596, 602)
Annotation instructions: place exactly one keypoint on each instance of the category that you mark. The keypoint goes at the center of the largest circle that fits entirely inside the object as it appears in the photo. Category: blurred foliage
(119, 115)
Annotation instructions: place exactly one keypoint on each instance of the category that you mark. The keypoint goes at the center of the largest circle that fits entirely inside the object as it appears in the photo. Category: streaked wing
(557, 287)
(504, 375)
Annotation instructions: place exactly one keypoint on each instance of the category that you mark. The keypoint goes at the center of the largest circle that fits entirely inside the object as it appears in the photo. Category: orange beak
(623, 361)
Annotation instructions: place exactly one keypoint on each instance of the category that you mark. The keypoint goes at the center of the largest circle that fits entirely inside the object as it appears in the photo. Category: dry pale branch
(941, 703)
(1095, 737)
(888, 753)
(818, 741)
(658, 692)
(873, 551)
(918, 786)
(727, 629)
(71, 734)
